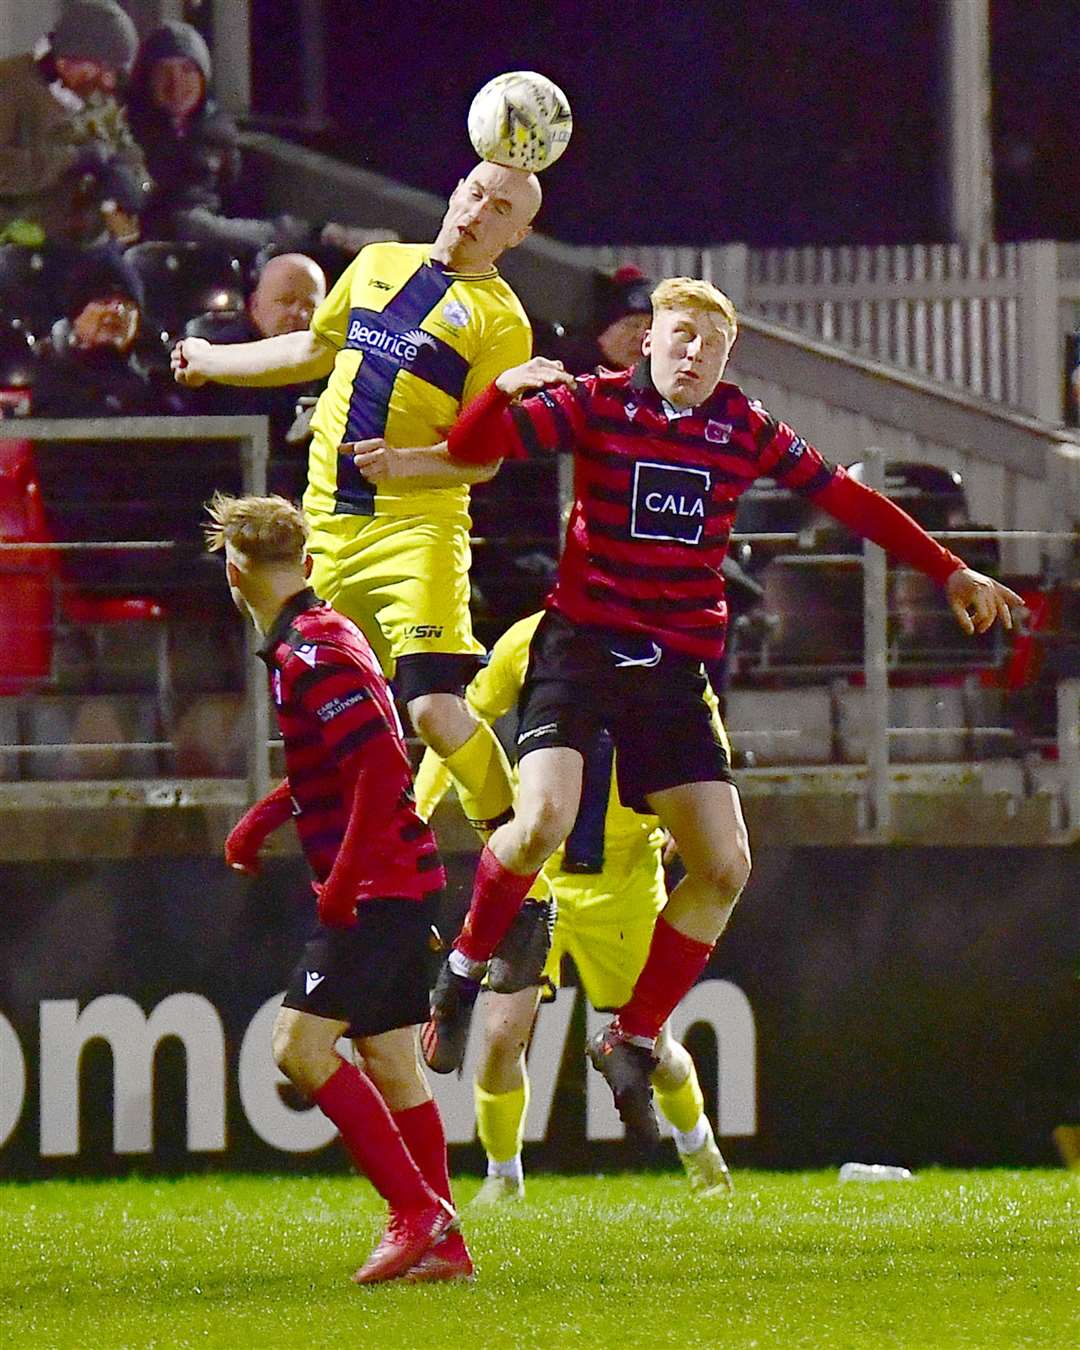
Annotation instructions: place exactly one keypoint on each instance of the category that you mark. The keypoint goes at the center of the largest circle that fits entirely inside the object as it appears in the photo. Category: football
(520, 119)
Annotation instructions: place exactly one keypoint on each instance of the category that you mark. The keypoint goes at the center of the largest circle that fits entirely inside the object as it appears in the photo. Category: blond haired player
(408, 335)
(608, 881)
(363, 970)
(662, 454)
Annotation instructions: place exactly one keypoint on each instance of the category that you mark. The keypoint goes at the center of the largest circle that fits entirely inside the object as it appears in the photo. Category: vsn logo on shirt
(669, 502)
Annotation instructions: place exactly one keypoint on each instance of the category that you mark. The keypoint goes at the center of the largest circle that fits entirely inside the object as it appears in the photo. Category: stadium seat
(57, 724)
(32, 594)
(937, 714)
(26, 577)
(209, 738)
(182, 280)
(781, 726)
(31, 285)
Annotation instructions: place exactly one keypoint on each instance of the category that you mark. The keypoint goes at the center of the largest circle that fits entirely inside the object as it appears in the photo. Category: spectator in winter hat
(623, 312)
(69, 167)
(100, 362)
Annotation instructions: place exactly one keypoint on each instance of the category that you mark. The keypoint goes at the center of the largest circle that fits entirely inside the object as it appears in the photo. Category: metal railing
(251, 436)
(875, 781)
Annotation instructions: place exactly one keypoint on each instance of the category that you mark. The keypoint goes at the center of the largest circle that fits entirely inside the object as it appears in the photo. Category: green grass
(972, 1259)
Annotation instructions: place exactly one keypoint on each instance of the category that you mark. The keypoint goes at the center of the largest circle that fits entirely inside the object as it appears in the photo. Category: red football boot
(408, 1235)
(449, 1259)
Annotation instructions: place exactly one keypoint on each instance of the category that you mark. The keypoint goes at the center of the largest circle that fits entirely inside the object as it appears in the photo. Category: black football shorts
(375, 976)
(650, 700)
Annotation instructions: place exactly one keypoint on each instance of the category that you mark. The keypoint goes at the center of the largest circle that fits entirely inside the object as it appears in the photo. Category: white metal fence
(990, 319)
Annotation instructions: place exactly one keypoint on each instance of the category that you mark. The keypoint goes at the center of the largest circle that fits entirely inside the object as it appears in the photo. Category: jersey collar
(487, 275)
(641, 380)
(290, 610)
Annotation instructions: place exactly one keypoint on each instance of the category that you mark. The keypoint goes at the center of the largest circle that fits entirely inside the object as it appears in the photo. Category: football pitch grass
(973, 1259)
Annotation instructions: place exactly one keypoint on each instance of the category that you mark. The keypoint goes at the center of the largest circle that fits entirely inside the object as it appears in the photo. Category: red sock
(672, 966)
(422, 1130)
(352, 1102)
(497, 896)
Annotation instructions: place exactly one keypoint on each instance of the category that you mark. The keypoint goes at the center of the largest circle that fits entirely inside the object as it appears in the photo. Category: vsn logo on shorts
(669, 502)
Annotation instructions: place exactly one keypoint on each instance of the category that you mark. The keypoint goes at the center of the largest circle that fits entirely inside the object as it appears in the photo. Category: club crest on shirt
(455, 313)
(719, 433)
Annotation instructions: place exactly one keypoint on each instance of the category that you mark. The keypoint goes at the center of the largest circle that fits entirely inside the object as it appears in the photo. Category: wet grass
(953, 1259)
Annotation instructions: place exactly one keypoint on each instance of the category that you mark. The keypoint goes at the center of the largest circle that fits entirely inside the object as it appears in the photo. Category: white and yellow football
(520, 119)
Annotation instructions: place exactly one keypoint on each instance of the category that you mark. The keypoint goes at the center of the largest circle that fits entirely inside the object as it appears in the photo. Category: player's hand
(377, 461)
(533, 374)
(241, 852)
(977, 601)
(188, 362)
(335, 910)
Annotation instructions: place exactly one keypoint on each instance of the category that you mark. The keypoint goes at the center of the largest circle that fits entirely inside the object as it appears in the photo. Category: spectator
(191, 145)
(69, 167)
(623, 313)
(193, 152)
(289, 289)
(99, 361)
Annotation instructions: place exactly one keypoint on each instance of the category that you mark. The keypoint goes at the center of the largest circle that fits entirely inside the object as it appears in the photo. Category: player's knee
(288, 1052)
(433, 717)
(301, 1061)
(727, 872)
(542, 825)
(504, 1042)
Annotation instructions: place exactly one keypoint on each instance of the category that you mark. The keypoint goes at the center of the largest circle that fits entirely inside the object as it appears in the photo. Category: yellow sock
(683, 1106)
(431, 784)
(500, 1120)
(481, 773)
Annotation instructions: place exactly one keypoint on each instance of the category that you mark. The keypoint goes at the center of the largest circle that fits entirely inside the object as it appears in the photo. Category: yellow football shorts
(403, 580)
(605, 923)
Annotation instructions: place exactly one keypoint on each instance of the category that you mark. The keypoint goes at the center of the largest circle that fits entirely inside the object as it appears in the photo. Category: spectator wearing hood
(70, 169)
(190, 144)
(194, 157)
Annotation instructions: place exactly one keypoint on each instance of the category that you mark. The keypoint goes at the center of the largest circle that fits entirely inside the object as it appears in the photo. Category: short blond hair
(263, 529)
(692, 293)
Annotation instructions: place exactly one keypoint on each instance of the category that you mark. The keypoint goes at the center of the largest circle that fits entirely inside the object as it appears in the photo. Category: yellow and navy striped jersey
(415, 342)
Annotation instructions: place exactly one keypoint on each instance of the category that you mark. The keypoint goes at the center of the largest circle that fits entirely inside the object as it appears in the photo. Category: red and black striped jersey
(655, 493)
(345, 758)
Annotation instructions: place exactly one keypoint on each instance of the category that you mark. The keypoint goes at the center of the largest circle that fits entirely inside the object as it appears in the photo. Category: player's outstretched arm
(423, 466)
(974, 599)
(250, 832)
(496, 426)
(290, 358)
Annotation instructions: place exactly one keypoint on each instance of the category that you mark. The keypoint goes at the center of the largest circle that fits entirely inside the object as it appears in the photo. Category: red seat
(30, 589)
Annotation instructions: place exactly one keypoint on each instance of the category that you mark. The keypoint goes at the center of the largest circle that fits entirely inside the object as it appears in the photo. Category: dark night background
(788, 122)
